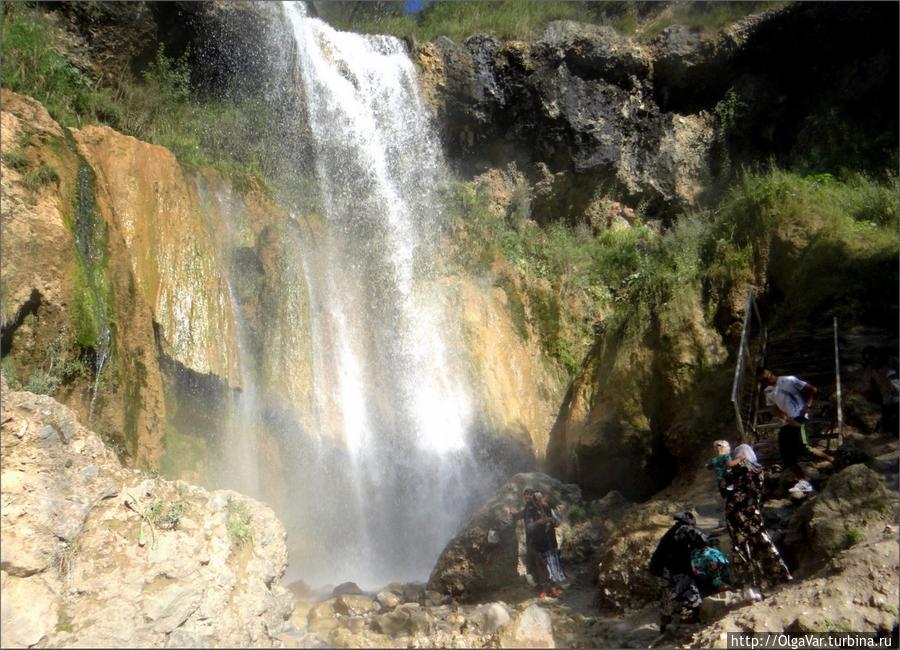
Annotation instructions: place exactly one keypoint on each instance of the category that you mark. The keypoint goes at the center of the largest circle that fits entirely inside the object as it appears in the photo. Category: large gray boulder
(835, 519)
(95, 555)
(485, 555)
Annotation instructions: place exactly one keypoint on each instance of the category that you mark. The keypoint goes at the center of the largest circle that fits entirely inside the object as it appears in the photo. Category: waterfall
(389, 476)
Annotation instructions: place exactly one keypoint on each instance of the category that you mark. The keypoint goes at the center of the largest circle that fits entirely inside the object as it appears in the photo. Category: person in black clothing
(671, 563)
(541, 522)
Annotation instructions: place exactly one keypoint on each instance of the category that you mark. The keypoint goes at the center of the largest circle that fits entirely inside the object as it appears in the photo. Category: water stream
(386, 387)
(354, 415)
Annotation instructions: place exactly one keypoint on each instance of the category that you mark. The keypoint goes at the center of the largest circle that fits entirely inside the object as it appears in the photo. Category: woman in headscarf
(679, 594)
(541, 523)
(755, 558)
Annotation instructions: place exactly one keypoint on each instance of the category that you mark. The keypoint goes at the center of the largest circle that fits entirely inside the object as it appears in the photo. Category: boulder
(406, 619)
(83, 566)
(412, 592)
(325, 609)
(491, 617)
(388, 599)
(835, 518)
(347, 588)
(531, 628)
(484, 556)
(355, 605)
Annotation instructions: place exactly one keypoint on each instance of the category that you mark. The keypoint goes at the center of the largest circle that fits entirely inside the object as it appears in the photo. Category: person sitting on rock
(541, 523)
(757, 562)
(793, 398)
(679, 594)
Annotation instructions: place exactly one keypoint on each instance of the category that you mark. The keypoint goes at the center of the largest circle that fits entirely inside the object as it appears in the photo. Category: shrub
(30, 65)
(42, 175)
(239, 522)
(165, 516)
(854, 536)
(42, 382)
(577, 513)
(16, 159)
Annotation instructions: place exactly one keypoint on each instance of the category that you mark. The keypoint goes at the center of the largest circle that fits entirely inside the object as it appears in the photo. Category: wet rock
(325, 609)
(346, 589)
(388, 599)
(469, 566)
(598, 51)
(355, 605)
(406, 619)
(412, 592)
(531, 628)
(491, 617)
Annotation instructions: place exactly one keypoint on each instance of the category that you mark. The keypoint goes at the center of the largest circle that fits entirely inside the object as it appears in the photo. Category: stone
(531, 628)
(355, 605)
(716, 605)
(387, 599)
(347, 588)
(325, 609)
(491, 617)
(70, 554)
(29, 612)
(853, 498)
(413, 592)
(468, 568)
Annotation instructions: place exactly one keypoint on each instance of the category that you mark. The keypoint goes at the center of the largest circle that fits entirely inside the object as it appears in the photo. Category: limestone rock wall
(145, 194)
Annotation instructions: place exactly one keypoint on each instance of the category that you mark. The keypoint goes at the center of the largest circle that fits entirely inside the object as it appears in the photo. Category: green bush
(158, 106)
(41, 175)
(239, 522)
(854, 536)
(30, 65)
(16, 159)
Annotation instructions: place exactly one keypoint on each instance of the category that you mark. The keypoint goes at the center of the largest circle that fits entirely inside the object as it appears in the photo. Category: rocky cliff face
(98, 555)
(188, 284)
(661, 123)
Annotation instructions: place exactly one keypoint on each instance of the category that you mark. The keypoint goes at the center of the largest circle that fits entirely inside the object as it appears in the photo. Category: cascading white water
(385, 500)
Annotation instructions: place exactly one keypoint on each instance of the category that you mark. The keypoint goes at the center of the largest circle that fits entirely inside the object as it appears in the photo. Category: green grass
(846, 231)
(40, 176)
(16, 159)
(30, 65)
(458, 20)
(704, 17)
(157, 106)
(527, 19)
(844, 252)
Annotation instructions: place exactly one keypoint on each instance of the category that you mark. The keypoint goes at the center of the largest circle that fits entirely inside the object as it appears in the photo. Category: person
(881, 378)
(792, 399)
(724, 460)
(529, 510)
(679, 593)
(757, 562)
(541, 523)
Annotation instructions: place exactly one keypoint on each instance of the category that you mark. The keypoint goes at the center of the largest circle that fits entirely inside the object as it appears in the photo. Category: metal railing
(837, 387)
(745, 367)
